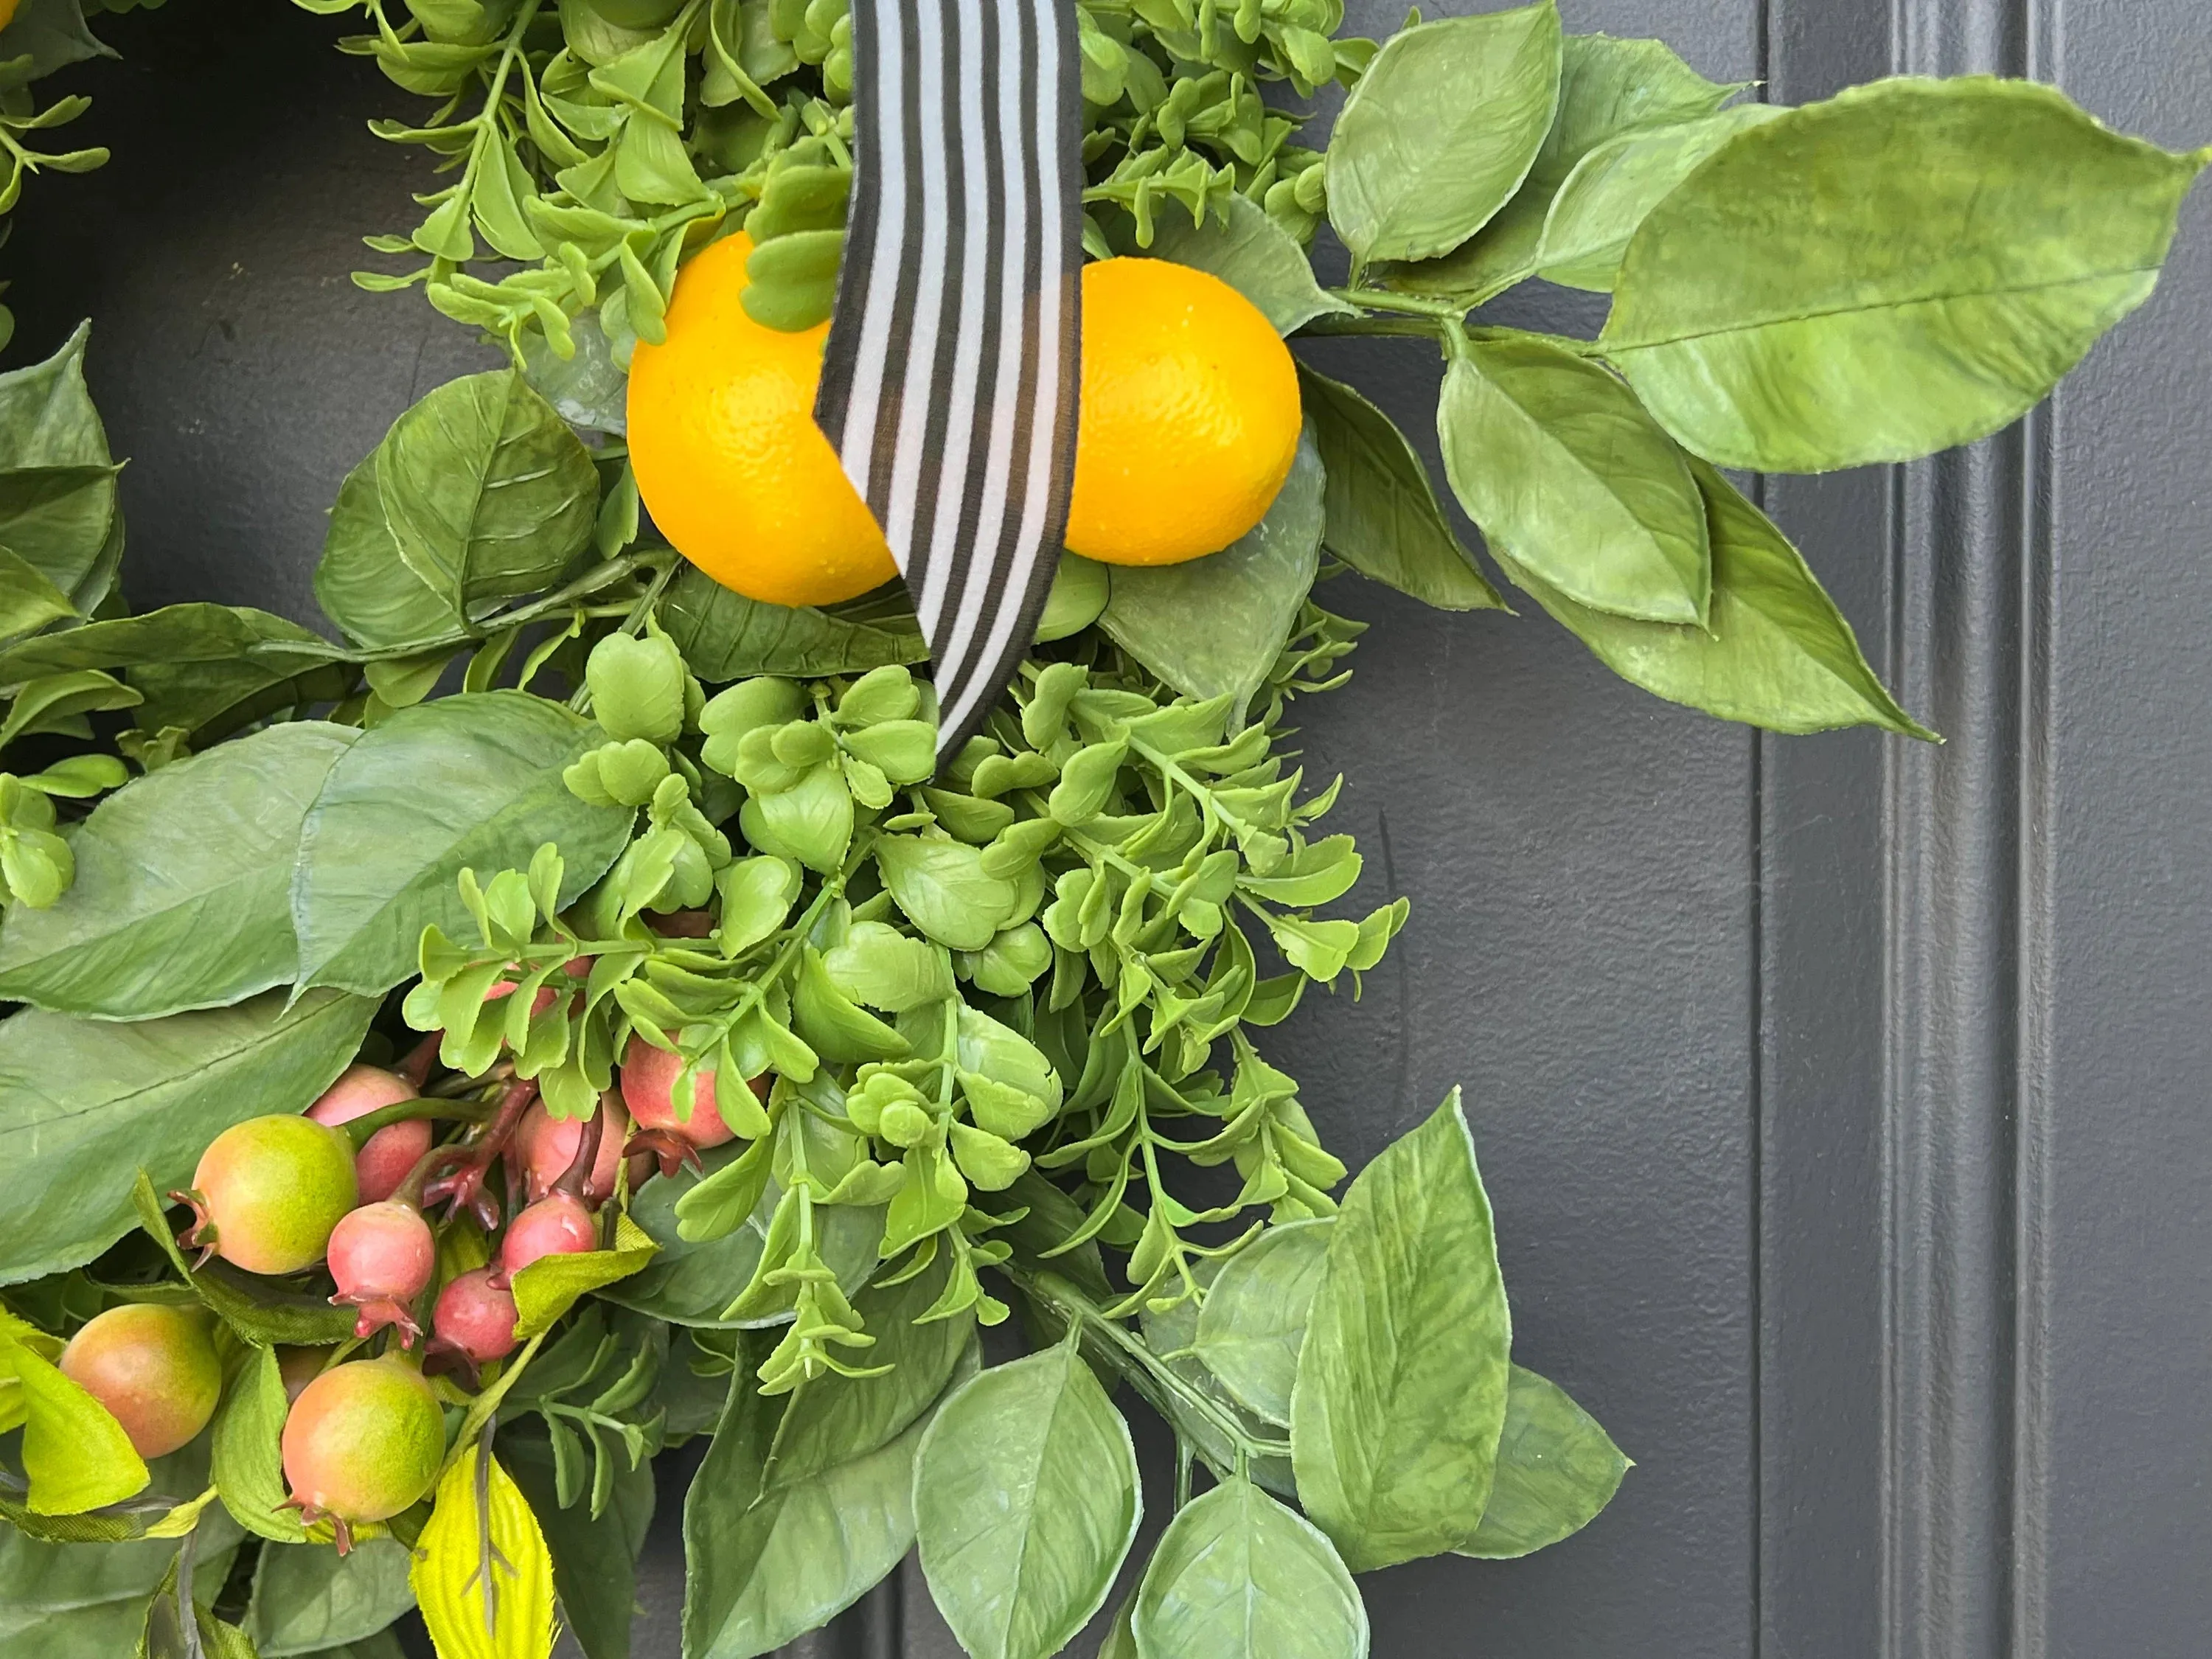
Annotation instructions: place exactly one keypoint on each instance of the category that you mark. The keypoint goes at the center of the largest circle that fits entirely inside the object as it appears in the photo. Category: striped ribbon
(948, 384)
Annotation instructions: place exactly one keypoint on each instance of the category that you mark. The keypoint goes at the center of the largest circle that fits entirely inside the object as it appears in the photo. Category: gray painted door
(1844, 1101)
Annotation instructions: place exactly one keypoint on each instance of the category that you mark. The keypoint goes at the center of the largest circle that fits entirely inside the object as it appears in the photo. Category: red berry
(392, 1151)
(363, 1442)
(648, 1084)
(476, 1317)
(559, 1224)
(154, 1367)
(382, 1256)
(547, 1145)
(268, 1190)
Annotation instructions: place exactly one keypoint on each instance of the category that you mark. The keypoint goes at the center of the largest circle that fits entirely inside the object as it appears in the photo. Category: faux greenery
(1016, 1012)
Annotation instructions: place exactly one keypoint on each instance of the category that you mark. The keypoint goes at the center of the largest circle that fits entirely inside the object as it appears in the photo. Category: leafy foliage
(1006, 1018)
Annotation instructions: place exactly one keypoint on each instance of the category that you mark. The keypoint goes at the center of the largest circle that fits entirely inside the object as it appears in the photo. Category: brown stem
(463, 1184)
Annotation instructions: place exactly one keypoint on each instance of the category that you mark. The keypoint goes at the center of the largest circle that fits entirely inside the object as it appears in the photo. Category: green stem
(487, 1402)
(407, 1111)
(596, 580)
(1144, 1371)
(1409, 305)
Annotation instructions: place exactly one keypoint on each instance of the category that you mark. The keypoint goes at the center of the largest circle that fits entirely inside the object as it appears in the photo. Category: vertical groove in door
(1969, 981)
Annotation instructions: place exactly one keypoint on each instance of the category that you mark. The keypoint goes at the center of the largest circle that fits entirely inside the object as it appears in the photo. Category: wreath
(580, 1012)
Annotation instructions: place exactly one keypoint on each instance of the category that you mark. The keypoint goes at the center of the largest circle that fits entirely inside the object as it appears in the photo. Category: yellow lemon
(728, 459)
(1189, 418)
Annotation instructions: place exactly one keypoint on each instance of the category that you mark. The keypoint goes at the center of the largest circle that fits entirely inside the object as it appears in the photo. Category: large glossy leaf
(1255, 256)
(1909, 265)
(46, 413)
(1561, 468)
(363, 584)
(1614, 187)
(471, 781)
(1025, 1503)
(488, 492)
(1402, 1378)
(1556, 1469)
(208, 668)
(1213, 626)
(594, 1557)
(1442, 130)
(1779, 654)
(1254, 1317)
(84, 1104)
(769, 1563)
(307, 1597)
(56, 519)
(176, 635)
(1608, 87)
(183, 892)
(1237, 1576)
(726, 636)
(1381, 517)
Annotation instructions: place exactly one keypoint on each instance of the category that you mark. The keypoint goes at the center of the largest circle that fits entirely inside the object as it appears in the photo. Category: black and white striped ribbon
(950, 382)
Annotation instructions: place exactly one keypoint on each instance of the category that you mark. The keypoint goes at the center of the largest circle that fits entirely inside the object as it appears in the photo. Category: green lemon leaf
(1381, 514)
(307, 1597)
(1561, 468)
(1238, 1575)
(1617, 185)
(85, 1104)
(1254, 1317)
(726, 636)
(1909, 265)
(56, 519)
(27, 599)
(1440, 130)
(249, 1458)
(1401, 1380)
(363, 584)
(52, 703)
(1779, 654)
(486, 491)
(1255, 256)
(551, 1286)
(482, 1574)
(1214, 625)
(207, 668)
(942, 889)
(1556, 1469)
(180, 1627)
(1026, 1500)
(469, 781)
(183, 892)
(594, 1555)
(74, 1452)
(46, 413)
(768, 1564)
(1608, 87)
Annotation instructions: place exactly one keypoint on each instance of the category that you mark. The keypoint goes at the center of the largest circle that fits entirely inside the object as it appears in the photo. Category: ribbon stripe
(950, 380)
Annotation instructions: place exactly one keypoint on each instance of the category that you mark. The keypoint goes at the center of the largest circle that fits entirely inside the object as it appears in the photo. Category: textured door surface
(1844, 1102)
